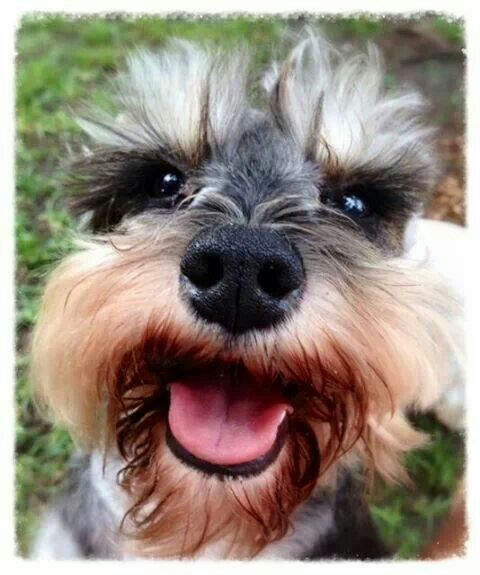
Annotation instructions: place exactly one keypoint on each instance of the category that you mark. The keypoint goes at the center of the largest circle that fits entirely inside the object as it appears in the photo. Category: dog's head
(241, 322)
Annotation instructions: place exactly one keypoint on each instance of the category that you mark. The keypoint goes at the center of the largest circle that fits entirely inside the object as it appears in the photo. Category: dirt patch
(448, 201)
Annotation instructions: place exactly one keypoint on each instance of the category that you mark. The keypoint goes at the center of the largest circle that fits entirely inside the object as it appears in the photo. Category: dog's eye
(351, 204)
(354, 206)
(167, 184)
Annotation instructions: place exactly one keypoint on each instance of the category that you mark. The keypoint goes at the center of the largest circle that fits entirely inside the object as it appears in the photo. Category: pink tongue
(223, 422)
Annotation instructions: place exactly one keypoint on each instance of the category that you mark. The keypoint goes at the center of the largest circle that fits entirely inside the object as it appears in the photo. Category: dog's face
(241, 322)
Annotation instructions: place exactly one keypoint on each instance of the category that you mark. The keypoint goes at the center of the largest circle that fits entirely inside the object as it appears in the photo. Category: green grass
(408, 517)
(60, 65)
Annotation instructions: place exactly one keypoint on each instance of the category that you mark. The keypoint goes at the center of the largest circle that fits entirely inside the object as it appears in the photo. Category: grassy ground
(62, 63)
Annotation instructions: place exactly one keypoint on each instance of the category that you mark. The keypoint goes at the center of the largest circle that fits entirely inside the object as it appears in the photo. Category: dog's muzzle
(242, 278)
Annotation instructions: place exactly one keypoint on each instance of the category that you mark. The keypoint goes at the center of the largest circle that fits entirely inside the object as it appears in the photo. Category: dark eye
(353, 206)
(167, 184)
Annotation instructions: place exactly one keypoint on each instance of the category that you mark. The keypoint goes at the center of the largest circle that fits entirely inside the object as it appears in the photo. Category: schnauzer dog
(236, 344)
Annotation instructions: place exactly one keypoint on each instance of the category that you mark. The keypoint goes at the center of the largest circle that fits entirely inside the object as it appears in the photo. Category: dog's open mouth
(222, 423)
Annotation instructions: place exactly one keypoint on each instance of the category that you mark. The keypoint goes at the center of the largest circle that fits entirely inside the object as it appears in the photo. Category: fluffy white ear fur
(438, 245)
(164, 97)
(357, 119)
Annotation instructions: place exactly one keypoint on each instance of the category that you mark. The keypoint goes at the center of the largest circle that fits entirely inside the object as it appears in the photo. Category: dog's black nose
(242, 278)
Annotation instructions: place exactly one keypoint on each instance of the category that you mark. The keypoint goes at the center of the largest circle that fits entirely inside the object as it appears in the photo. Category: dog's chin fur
(368, 341)
(373, 349)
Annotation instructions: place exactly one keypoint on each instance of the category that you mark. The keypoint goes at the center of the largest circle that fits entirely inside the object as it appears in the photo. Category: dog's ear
(336, 106)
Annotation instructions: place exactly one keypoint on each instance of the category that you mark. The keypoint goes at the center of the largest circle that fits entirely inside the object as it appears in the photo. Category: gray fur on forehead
(262, 164)
(333, 106)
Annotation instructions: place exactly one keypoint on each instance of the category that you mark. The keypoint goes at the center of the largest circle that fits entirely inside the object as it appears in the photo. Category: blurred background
(64, 62)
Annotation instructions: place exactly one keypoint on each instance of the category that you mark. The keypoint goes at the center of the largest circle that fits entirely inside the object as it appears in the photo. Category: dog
(237, 341)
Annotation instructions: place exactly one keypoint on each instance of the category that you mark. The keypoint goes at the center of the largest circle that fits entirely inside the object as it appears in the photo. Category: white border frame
(9, 21)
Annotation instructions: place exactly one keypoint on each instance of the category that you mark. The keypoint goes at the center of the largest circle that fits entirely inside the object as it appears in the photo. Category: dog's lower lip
(248, 469)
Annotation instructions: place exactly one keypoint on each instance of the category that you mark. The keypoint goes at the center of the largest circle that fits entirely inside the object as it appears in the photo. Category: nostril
(278, 279)
(204, 271)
